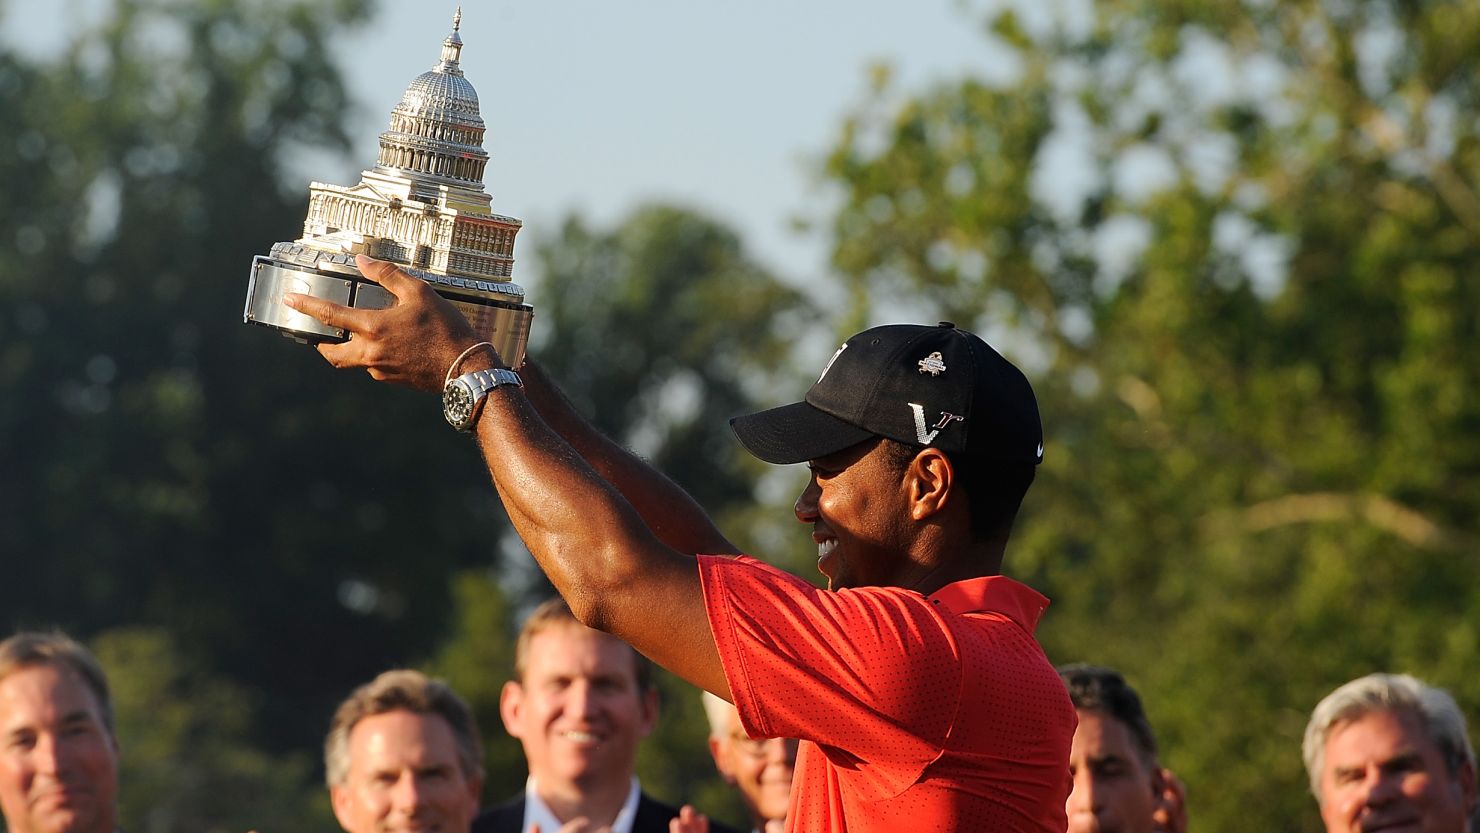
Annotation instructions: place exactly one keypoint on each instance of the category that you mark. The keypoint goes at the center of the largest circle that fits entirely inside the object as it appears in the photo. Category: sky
(597, 107)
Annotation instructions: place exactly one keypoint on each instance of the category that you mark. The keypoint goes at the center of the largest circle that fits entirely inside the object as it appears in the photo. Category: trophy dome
(436, 132)
(443, 96)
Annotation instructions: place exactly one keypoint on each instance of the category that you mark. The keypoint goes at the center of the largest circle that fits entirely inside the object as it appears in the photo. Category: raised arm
(616, 573)
(669, 511)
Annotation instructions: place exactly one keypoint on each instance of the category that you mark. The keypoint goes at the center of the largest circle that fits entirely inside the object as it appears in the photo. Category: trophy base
(495, 314)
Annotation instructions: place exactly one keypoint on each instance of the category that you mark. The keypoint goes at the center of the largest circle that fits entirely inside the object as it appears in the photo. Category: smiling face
(404, 777)
(578, 711)
(1382, 771)
(59, 761)
(1114, 784)
(856, 502)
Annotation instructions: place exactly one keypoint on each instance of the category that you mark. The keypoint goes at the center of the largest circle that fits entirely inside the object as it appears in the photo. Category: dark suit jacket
(652, 817)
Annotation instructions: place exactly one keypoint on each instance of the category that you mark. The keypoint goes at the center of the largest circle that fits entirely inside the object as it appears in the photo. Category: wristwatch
(463, 397)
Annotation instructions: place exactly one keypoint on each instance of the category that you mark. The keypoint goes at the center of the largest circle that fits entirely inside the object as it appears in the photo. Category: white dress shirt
(537, 812)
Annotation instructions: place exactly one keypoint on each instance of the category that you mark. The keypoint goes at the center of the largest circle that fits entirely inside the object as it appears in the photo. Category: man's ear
(475, 792)
(1159, 778)
(1469, 790)
(510, 706)
(931, 483)
(1168, 801)
(340, 799)
(721, 761)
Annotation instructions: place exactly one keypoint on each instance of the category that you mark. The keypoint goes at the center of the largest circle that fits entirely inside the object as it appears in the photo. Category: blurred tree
(1235, 246)
(476, 658)
(662, 330)
(189, 762)
(161, 463)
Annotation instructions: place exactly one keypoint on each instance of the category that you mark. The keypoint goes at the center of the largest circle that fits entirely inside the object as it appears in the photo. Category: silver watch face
(457, 404)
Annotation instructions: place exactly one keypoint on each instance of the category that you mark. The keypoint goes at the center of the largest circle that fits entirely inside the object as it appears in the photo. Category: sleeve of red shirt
(871, 675)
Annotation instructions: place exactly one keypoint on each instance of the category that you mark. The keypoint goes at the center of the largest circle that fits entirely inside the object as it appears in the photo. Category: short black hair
(1100, 689)
(994, 488)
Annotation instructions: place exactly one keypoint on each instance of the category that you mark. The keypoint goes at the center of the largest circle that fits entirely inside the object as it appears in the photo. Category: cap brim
(795, 433)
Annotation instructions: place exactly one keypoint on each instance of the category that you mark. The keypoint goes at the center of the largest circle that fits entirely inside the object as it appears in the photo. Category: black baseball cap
(920, 385)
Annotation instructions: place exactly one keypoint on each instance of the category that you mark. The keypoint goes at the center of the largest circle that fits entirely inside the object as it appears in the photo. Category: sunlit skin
(613, 534)
(579, 714)
(1382, 771)
(59, 761)
(761, 769)
(404, 777)
(878, 524)
(1115, 786)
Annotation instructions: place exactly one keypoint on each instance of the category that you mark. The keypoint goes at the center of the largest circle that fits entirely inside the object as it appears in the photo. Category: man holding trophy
(921, 699)
(914, 682)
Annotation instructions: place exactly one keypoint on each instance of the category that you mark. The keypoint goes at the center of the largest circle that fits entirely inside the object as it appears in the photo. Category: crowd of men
(403, 752)
(913, 684)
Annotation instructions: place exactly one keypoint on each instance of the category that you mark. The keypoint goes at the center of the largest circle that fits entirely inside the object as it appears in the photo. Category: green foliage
(1234, 245)
(164, 466)
(660, 331)
(161, 463)
(476, 659)
(189, 761)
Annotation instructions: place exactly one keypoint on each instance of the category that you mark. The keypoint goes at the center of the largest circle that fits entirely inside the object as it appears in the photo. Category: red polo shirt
(916, 713)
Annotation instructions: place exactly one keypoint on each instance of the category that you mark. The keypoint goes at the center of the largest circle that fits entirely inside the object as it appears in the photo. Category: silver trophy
(424, 207)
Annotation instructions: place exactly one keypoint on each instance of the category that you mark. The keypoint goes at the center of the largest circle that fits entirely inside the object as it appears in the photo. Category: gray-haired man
(403, 755)
(1387, 752)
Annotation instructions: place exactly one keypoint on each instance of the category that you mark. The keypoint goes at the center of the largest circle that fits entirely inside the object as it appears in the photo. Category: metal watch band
(483, 381)
(462, 401)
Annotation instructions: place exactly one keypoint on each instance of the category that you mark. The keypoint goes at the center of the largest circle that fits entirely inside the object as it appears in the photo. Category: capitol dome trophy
(423, 206)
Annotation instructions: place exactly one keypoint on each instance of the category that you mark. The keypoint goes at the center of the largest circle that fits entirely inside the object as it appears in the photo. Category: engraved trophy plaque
(423, 207)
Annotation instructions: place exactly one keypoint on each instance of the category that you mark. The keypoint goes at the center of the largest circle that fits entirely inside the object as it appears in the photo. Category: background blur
(1235, 245)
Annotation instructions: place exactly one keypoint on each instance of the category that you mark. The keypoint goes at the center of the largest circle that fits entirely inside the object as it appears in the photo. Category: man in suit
(579, 703)
(403, 754)
(59, 761)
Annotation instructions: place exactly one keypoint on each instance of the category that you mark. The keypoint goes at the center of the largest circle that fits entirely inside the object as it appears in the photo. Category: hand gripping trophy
(423, 206)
